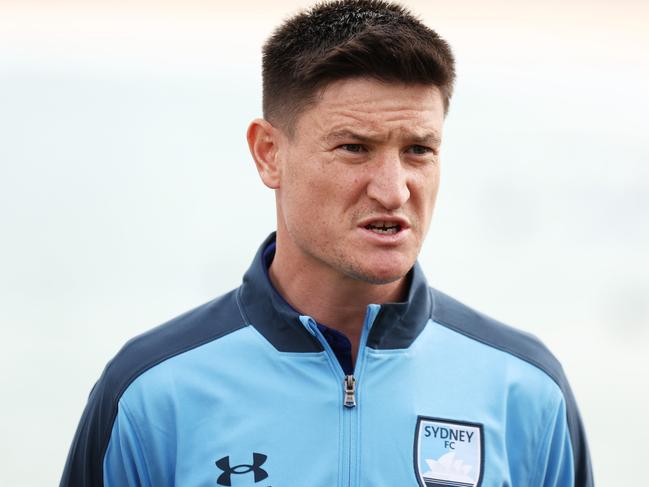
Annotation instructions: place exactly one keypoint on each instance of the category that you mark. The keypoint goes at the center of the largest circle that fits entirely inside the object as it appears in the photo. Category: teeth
(386, 231)
(384, 228)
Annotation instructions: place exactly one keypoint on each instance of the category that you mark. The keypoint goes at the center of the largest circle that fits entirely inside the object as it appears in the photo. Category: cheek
(308, 195)
(424, 195)
(324, 184)
(427, 185)
(433, 190)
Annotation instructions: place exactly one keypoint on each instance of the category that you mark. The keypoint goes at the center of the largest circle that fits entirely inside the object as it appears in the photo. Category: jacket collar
(396, 326)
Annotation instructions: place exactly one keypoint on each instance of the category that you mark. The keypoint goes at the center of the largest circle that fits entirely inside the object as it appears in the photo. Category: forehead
(375, 107)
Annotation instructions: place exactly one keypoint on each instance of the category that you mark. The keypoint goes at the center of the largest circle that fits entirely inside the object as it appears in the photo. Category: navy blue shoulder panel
(215, 319)
(473, 324)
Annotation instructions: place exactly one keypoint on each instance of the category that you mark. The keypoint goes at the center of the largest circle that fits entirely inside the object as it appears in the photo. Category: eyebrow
(426, 138)
(349, 134)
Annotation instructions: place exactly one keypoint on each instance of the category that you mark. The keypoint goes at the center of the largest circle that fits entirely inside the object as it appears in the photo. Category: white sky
(127, 194)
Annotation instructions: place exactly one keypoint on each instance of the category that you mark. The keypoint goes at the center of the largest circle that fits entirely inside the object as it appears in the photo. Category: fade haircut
(347, 39)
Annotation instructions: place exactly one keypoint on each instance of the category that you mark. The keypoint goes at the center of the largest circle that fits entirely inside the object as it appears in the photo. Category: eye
(355, 148)
(419, 149)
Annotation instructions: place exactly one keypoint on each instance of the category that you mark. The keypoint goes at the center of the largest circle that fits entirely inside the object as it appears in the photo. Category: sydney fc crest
(448, 453)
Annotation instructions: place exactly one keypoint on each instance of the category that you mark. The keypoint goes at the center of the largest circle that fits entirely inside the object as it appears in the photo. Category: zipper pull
(350, 391)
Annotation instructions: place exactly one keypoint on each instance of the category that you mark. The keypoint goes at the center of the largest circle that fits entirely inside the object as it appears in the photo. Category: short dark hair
(345, 39)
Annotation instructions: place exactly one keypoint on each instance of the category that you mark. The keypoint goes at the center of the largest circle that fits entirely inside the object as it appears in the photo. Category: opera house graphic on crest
(448, 471)
(448, 453)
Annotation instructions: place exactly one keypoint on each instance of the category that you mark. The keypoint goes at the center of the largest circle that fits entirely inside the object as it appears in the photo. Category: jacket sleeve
(84, 465)
(564, 460)
(124, 462)
(580, 454)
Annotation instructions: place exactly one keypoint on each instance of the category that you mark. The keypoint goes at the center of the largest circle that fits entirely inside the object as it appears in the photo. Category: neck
(327, 295)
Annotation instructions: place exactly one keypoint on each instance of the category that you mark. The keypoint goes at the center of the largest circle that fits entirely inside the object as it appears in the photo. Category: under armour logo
(258, 459)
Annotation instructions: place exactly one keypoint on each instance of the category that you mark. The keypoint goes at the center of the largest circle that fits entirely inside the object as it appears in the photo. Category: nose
(388, 182)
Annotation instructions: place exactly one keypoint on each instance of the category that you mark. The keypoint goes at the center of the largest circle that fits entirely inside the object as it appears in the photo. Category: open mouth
(384, 228)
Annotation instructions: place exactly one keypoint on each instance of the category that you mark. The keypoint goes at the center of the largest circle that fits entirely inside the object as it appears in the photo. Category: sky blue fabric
(181, 416)
(215, 395)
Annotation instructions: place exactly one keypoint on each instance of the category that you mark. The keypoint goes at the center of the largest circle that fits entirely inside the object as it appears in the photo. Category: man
(334, 363)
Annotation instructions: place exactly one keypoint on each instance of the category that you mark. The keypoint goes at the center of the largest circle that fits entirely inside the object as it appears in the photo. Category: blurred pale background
(128, 195)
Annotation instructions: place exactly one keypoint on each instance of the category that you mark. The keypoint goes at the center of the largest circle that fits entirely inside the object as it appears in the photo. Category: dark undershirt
(338, 341)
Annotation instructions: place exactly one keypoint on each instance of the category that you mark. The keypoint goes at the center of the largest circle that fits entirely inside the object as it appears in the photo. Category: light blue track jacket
(246, 392)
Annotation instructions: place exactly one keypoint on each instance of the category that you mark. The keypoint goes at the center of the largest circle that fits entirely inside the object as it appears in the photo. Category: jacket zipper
(350, 387)
(350, 391)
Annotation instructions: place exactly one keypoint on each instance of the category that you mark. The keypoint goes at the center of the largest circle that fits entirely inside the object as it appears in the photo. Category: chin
(384, 274)
(370, 266)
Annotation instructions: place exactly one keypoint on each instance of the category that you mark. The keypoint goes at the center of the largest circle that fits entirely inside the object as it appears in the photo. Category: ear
(263, 141)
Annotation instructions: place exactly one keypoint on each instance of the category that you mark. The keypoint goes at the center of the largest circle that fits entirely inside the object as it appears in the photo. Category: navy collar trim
(396, 326)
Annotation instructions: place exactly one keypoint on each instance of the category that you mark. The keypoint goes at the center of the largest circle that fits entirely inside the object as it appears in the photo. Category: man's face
(359, 177)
